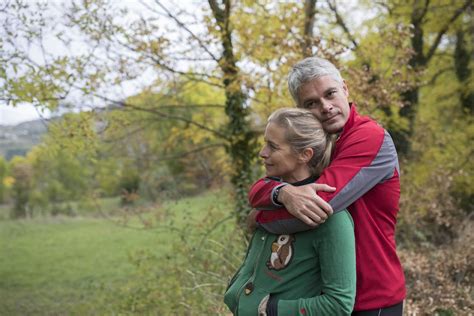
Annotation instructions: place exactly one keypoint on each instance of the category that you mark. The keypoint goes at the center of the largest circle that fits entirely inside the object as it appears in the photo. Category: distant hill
(17, 140)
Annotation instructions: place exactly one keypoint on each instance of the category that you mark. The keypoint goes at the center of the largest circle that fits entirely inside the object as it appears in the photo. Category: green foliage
(179, 265)
(196, 125)
(22, 173)
(437, 186)
(3, 180)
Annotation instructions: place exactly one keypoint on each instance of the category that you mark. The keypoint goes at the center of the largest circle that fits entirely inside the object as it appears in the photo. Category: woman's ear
(306, 155)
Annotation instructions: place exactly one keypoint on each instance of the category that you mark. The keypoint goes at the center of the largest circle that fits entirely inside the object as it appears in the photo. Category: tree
(22, 187)
(430, 23)
(3, 176)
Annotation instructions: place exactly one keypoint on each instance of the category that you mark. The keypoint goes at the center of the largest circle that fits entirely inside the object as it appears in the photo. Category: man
(365, 174)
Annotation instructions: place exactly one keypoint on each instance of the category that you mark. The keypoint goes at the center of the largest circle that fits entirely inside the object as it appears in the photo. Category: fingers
(323, 187)
(323, 206)
(318, 215)
(312, 217)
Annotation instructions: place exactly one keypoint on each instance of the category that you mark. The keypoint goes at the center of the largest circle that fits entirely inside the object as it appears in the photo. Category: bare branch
(437, 74)
(188, 30)
(186, 106)
(188, 75)
(190, 152)
(165, 115)
(341, 23)
(445, 28)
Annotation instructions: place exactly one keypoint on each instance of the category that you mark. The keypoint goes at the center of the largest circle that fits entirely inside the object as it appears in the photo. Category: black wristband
(276, 193)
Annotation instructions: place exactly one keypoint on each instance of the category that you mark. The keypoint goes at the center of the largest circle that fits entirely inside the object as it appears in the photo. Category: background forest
(162, 106)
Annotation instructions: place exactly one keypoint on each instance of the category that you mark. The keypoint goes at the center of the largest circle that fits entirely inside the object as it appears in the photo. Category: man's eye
(331, 93)
(311, 105)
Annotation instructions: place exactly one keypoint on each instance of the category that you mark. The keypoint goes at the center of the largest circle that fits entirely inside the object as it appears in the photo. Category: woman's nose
(263, 152)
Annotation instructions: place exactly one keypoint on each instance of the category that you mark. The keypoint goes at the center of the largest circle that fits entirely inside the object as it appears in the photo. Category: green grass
(70, 265)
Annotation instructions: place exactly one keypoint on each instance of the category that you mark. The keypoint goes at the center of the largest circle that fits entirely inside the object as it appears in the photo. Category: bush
(439, 279)
(193, 280)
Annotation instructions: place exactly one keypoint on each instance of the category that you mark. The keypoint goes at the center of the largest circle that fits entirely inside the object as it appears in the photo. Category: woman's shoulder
(339, 220)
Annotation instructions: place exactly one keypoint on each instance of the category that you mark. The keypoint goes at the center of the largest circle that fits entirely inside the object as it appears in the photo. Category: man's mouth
(329, 118)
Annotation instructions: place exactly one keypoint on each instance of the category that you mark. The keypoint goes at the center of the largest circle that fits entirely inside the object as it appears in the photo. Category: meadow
(95, 264)
(173, 258)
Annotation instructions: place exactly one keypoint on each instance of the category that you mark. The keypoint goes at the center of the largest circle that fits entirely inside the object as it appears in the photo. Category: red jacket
(364, 169)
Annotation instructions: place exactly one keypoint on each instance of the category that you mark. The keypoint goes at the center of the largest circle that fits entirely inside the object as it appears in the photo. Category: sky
(21, 113)
(26, 112)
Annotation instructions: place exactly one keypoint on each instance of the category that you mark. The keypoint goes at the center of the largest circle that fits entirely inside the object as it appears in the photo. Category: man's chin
(333, 128)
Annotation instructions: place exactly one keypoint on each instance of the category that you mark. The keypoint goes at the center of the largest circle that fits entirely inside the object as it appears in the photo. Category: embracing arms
(364, 158)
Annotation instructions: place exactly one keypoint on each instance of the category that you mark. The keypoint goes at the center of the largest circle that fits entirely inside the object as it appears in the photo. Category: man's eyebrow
(329, 89)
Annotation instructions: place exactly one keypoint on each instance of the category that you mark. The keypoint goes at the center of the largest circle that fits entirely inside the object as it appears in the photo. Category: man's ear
(345, 88)
(306, 155)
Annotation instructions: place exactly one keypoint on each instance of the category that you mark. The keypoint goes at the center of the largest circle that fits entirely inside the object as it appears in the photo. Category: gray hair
(308, 69)
(303, 130)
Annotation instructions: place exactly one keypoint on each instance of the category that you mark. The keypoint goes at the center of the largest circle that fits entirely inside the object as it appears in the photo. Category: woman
(308, 273)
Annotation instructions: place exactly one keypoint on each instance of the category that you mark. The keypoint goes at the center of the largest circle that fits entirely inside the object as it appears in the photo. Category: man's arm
(366, 157)
(264, 193)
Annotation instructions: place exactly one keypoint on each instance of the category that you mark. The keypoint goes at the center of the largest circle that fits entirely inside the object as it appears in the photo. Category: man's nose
(326, 106)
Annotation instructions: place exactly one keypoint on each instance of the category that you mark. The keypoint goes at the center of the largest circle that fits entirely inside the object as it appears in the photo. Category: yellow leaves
(8, 182)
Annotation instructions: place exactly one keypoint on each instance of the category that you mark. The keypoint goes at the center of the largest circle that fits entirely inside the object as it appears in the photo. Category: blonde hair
(303, 130)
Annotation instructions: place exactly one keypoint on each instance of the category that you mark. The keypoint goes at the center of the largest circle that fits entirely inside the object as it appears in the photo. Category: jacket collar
(351, 120)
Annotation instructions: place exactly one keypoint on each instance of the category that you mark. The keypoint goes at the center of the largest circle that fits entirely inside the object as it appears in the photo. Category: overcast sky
(21, 113)
(26, 112)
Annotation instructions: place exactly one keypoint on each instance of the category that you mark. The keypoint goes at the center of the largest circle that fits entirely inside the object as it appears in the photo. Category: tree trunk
(309, 12)
(242, 143)
(419, 61)
(462, 56)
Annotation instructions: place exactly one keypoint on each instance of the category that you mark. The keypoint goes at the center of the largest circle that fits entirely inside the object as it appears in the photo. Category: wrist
(276, 194)
(281, 194)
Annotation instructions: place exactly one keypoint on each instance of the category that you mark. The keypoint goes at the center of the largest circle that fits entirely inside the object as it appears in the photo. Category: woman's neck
(298, 175)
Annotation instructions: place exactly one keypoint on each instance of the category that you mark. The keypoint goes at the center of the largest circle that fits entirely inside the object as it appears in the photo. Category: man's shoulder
(365, 127)
(363, 122)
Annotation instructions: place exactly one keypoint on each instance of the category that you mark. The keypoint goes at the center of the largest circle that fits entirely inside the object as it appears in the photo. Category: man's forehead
(321, 81)
(316, 87)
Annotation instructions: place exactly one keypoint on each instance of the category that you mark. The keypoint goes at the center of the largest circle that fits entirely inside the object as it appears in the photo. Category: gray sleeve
(381, 169)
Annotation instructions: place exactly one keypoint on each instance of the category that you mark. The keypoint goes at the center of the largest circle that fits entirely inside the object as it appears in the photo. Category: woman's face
(279, 158)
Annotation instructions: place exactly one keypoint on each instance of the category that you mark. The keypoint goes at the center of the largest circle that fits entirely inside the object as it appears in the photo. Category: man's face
(327, 99)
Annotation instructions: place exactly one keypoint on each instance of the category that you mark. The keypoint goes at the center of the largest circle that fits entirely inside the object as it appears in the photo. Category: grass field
(73, 265)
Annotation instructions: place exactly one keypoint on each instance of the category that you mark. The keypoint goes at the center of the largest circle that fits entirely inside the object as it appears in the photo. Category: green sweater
(308, 273)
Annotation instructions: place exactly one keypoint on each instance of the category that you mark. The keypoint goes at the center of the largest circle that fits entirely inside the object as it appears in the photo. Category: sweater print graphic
(282, 252)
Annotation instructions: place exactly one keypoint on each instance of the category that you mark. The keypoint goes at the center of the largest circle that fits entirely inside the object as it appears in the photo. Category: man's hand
(303, 203)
